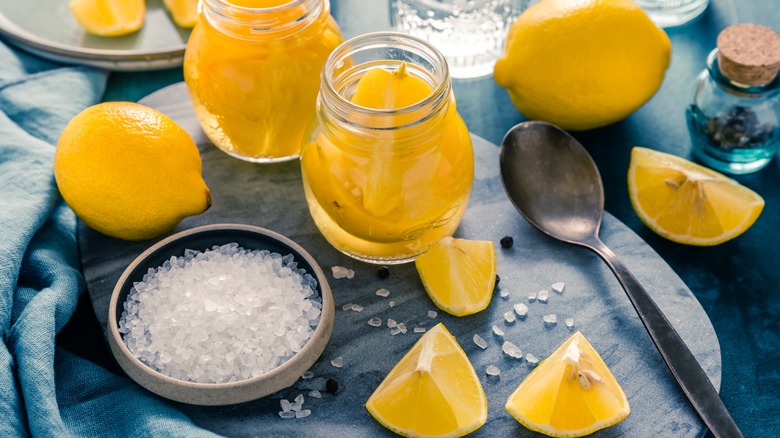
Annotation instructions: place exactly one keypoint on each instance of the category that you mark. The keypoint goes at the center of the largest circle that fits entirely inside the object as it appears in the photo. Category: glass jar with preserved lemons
(388, 168)
(252, 68)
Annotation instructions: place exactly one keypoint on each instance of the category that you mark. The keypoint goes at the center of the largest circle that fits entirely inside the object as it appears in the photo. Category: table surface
(735, 282)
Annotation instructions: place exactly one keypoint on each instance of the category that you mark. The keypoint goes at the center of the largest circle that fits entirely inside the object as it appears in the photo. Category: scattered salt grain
(295, 406)
(391, 323)
(342, 272)
(303, 413)
(558, 287)
(432, 314)
(550, 319)
(285, 405)
(492, 370)
(395, 331)
(357, 308)
(375, 322)
(481, 343)
(511, 350)
(181, 321)
(299, 399)
(542, 296)
(391, 303)
(570, 323)
(532, 297)
(307, 375)
(531, 359)
(337, 362)
(286, 414)
(384, 293)
(497, 330)
(521, 310)
(402, 327)
(419, 329)
(509, 316)
(504, 293)
(347, 306)
(315, 394)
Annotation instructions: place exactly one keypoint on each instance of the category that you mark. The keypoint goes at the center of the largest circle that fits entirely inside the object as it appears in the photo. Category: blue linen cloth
(45, 390)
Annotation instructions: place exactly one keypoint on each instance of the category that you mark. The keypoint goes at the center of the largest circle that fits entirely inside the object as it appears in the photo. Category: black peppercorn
(331, 385)
(383, 272)
(507, 242)
(498, 280)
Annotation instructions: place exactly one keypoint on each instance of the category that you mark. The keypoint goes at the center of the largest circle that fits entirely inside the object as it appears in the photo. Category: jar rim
(272, 22)
(738, 87)
(248, 9)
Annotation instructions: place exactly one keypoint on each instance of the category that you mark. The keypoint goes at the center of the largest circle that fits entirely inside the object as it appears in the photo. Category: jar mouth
(734, 86)
(384, 49)
(275, 21)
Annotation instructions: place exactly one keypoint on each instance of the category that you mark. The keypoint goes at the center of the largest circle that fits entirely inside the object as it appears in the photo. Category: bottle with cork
(734, 119)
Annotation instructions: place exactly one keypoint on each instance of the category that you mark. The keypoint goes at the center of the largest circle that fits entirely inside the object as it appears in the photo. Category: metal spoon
(554, 183)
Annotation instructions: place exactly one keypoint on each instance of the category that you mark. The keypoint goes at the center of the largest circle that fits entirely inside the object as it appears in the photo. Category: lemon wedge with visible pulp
(432, 391)
(184, 12)
(688, 203)
(459, 274)
(109, 17)
(570, 394)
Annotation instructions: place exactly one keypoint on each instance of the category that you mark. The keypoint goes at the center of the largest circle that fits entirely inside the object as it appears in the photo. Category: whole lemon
(581, 64)
(129, 171)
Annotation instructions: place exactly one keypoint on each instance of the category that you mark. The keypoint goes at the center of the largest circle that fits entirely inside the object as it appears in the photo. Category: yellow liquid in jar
(254, 96)
(391, 200)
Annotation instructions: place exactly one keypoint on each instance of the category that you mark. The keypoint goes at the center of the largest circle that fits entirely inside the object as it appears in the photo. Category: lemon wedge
(109, 17)
(570, 394)
(184, 12)
(459, 274)
(688, 203)
(432, 391)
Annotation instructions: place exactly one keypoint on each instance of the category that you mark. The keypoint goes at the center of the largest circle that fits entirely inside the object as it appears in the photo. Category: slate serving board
(271, 196)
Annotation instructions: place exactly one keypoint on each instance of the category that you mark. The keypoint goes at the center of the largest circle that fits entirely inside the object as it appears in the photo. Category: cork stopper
(749, 53)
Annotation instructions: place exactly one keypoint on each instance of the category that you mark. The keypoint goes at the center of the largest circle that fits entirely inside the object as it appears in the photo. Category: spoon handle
(681, 362)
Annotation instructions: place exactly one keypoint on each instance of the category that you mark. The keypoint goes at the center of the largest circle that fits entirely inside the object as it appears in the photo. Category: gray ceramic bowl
(203, 238)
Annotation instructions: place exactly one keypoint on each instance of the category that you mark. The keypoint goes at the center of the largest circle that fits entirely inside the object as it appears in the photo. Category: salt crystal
(511, 350)
(285, 405)
(504, 293)
(391, 303)
(497, 330)
(299, 399)
(531, 359)
(509, 317)
(340, 272)
(375, 322)
(542, 295)
(315, 394)
(402, 327)
(296, 407)
(558, 287)
(307, 375)
(350, 274)
(347, 306)
(287, 414)
(521, 310)
(532, 297)
(303, 413)
(391, 323)
(550, 319)
(357, 308)
(492, 370)
(337, 362)
(395, 331)
(432, 314)
(419, 329)
(384, 293)
(570, 323)
(481, 343)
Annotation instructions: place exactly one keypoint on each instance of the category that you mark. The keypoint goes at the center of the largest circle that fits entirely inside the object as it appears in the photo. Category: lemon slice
(688, 203)
(432, 391)
(459, 274)
(570, 394)
(109, 17)
(184, 12)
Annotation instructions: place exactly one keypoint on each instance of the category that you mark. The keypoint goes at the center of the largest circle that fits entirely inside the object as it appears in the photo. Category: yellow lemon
(459, 274)
(582, 64)
(688, 203)
(432, 391)
(572, 393)
(184, 12)
(129, 171)
(109, 17)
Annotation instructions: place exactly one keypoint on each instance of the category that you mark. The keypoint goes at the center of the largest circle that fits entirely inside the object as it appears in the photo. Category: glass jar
(383, 185)
(253, 73)
(733, 120)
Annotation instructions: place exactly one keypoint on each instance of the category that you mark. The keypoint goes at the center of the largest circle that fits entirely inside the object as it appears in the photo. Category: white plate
(47, 28)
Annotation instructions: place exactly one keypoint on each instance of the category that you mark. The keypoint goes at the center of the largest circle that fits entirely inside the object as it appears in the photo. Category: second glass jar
(386, 177)
(252, 69)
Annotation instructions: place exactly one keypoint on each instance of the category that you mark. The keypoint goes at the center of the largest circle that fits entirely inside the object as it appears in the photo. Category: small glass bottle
(252, 68)
(734, 119)
(385, 181)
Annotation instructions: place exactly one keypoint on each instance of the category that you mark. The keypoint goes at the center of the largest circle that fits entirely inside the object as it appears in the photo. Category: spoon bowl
(555, 184)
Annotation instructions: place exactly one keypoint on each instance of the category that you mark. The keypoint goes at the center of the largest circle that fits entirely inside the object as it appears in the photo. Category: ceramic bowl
(201, 239)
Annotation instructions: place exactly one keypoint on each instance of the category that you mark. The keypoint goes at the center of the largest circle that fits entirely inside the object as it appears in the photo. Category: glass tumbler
(253, 73)
(669, 13)
(470, 33)
(383, 185)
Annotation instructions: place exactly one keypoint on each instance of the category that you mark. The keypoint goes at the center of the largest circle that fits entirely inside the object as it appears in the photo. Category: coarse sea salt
(558, 287)
(511, 350)
(521, 310)
(550, 319)
(375, 322)
(542, 295)
(497, 330)
(384, 293)
(492, 370)
(481, 343)
(221, 315)
(340, 272)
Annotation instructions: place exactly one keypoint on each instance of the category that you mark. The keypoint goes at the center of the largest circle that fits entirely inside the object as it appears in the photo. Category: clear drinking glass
(470, 33)
(669, 13)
